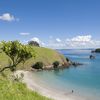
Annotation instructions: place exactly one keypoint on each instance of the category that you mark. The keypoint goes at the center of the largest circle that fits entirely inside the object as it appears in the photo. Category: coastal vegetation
(15, 56)
(38, 65)
(56, 64)
(34, 43)
(16, 52)
(97, 50)
(36, 54)
(15, 90)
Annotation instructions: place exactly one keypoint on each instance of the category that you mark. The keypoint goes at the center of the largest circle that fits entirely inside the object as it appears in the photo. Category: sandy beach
(45, 91)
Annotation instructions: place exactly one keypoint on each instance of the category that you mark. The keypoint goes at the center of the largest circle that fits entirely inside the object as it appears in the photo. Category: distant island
(96, 50)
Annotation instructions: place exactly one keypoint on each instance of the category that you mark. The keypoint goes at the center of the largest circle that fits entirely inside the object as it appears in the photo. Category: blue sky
(53, 23)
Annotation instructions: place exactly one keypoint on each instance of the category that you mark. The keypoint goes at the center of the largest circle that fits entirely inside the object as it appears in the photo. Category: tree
(17, 52)
(34, 43)
(67, 59)
(38, 65)
(56, 64)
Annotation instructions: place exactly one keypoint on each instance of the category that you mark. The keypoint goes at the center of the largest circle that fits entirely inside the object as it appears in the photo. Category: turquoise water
(84, 80)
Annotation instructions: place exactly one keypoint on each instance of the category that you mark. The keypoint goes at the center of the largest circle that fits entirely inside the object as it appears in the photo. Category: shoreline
(33, 85)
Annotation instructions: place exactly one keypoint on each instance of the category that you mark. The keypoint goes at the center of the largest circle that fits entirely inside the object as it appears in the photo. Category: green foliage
(45, 55)
(97, 50)
(33, 43)
(56, 64)
(13, 90)
(38, 65)
(16, 52)
(67, 59)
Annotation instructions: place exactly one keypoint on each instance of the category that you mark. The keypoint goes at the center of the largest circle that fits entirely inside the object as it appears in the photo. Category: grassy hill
(13, 90)
(45, 55)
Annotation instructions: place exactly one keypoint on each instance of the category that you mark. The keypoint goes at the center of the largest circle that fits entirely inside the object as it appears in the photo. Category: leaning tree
(17, 53)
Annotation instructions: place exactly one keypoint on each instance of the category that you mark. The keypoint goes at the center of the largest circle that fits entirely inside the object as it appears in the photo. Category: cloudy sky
(52, 23)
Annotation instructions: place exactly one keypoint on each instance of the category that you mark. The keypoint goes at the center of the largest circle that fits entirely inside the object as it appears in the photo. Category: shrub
(38, 65)
(17, 53)
(56, 64)
(34, 43)
(67, 59)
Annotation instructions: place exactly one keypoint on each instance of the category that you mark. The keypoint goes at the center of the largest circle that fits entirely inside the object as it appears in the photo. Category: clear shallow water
(84, 80)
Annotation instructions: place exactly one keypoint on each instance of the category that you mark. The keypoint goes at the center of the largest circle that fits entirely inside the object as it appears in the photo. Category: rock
(92, 51)
(92, 57)
(76, 64)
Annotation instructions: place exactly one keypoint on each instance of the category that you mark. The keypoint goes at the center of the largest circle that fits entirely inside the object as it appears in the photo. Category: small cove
(84, 80)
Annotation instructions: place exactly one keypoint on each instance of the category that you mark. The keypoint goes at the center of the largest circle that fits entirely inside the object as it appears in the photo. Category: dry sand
(45, 91)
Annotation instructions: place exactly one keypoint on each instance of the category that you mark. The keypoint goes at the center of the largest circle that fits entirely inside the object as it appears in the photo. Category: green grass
(4, 60)
(45, 55)
(12, 90)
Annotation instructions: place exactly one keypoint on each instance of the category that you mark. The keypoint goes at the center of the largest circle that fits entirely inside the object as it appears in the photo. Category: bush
(56, 64)
(38, 65)
(34, 43)
(67, 59)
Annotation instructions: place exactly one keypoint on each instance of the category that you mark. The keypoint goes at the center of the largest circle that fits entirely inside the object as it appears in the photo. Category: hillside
(14, 90)
(45, 55)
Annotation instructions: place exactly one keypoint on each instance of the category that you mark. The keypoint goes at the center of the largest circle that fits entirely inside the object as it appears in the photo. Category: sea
(83, 80)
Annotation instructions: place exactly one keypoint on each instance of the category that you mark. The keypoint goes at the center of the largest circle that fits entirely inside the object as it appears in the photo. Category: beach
(44, 90)
(58, 84)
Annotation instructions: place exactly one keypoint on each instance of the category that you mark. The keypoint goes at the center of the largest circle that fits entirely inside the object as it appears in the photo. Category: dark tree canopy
(56, 64)
(38, 65)
(34, 43)
(97, 50)
(17, 52)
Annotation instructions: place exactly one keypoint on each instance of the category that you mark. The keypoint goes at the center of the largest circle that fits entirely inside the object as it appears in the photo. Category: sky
(57, 24)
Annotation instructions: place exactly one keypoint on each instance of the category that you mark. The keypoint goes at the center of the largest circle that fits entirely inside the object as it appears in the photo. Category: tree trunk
(4, 69)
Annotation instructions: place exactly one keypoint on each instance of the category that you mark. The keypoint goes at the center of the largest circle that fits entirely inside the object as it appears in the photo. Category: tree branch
(4, 69)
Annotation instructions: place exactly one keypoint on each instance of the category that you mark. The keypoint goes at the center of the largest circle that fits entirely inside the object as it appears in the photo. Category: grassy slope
(18, 91)
(47, 56)
(11, 90)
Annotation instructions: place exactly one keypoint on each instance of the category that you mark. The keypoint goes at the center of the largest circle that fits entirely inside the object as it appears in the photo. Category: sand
(44, 90)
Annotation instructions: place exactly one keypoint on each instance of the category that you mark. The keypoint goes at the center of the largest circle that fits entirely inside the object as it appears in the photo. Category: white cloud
(81, 38)
(36, 39)
(58, 40)
(83, 41)
(23, 33)
(8, 17)
(41, 43)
